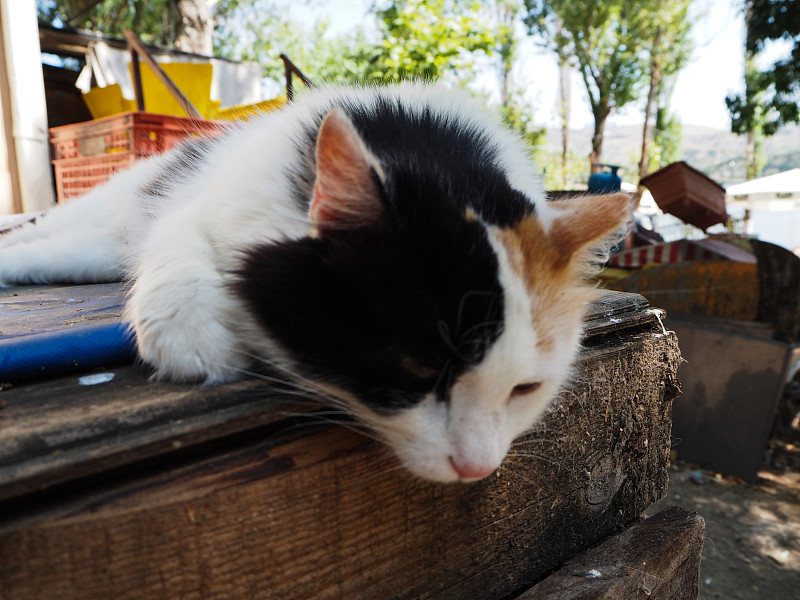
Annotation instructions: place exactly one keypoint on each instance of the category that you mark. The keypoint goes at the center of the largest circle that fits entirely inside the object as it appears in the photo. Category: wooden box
(681, 190)
(134, 489)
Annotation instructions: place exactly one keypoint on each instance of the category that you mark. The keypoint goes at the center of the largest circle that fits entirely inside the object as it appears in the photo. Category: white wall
(25, 176)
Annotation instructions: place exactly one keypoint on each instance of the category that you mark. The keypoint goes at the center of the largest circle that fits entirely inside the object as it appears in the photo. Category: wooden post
(290, 69)
(26, 182)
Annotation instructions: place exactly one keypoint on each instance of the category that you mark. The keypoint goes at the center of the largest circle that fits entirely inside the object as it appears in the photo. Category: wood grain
(658, 558)
(322, 512)
(56, 430)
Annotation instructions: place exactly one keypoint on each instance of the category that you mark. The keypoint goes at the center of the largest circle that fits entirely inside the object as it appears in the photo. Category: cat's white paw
(182, 329)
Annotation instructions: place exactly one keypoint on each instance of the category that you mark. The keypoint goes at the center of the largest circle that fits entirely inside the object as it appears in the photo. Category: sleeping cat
(390, 248)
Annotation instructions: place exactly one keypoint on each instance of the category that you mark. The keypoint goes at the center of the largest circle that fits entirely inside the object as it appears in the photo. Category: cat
(389, 247)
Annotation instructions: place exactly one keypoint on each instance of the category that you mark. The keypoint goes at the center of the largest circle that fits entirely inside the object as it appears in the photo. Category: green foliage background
(620, 49)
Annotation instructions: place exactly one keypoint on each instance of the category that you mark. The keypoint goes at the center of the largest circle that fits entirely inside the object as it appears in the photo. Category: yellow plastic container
(107, 101)
(248, 111)
(193, 79)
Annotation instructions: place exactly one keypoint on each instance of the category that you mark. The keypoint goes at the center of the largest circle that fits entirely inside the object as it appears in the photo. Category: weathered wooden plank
(658, 558)
(57, 430)
(38, 309)
(326, 514)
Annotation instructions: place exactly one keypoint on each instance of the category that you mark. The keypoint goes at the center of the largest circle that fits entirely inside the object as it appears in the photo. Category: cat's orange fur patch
(586, 221)
(551, 284)
(551, 263)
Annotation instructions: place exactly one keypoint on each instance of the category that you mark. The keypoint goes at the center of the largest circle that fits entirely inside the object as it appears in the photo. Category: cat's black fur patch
(353, 307)
(417, 142)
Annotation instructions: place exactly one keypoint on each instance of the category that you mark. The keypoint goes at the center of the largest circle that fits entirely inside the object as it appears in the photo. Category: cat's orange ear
(587, 223)
(347, 188)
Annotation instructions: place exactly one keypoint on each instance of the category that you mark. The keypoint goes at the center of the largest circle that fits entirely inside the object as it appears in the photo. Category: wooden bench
(134, 489)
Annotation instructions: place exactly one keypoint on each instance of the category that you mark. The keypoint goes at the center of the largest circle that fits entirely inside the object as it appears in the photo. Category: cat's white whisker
(325, 421)
(535, 455)
(527, 441)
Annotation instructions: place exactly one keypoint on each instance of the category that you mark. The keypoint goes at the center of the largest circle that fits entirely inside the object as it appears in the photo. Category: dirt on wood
(752, 544)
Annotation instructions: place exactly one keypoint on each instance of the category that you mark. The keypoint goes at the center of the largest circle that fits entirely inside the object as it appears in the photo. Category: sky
(715, 69)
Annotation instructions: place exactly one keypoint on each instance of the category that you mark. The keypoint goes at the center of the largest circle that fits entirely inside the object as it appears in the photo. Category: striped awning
(681, 250)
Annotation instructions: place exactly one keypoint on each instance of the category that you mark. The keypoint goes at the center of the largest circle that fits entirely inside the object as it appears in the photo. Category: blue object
(72, 349)
(606, 181)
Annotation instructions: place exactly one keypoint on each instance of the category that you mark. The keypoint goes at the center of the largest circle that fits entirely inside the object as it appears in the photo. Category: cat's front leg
(183, 314)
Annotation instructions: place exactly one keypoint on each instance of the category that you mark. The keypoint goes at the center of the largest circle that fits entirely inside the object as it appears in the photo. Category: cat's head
(446, 323)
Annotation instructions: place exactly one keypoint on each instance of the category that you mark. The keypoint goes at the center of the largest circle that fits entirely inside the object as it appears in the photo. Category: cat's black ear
(347, 192)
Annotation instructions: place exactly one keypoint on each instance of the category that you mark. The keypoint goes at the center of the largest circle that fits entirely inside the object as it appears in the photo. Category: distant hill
(716, 152)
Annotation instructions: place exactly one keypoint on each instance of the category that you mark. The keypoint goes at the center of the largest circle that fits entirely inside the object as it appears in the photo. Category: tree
(668, 48)
(667, 136)
(155, 21)
(565, 106)
(603, 40)
(418, 39)
(771, 98)
(256, 30)
(515, 111)
(425, 39)
(506, 45)
(750, 117)
(768, 20)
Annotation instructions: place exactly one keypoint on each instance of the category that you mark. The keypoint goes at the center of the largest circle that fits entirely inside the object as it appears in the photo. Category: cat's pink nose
(471, 470)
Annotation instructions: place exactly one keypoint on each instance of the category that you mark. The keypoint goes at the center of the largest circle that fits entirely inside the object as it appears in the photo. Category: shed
(772, 204)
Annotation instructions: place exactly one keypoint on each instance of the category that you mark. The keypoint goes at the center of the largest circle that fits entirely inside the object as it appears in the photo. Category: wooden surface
(31, 310)
(137, 490)
(658, 559)
(58, 430)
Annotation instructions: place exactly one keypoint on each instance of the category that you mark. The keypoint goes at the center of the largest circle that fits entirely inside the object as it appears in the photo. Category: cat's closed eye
(524, 389)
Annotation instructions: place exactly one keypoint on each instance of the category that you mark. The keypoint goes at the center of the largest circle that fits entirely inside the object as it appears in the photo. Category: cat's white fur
(189, 325)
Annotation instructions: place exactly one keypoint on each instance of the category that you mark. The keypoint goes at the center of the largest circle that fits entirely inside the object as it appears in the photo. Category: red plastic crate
(86, 154)
(76, 176)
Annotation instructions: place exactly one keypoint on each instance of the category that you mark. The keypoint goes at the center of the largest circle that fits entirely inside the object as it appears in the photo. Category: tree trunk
(655, 81)
(564, 100)
(600, 117)
(194, 27)
(751, 156)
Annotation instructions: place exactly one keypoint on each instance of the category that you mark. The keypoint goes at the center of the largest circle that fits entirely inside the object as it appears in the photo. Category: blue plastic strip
(66, 350)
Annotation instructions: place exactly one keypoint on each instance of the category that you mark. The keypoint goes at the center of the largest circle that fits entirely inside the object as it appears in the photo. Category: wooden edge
(657, 558)
(616, 311)
(47, 442)
(612, 311)
(117, 437)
